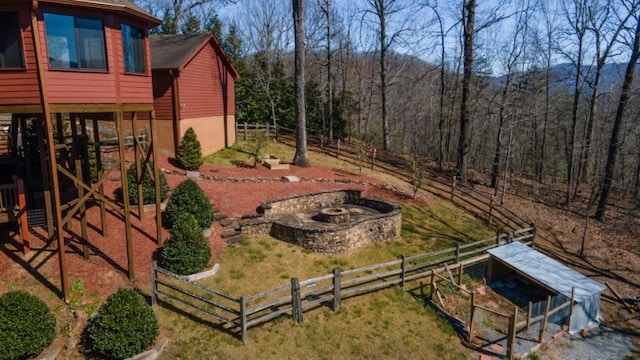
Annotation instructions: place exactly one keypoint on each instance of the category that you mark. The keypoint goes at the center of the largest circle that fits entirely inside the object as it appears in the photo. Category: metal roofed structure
(552, 276)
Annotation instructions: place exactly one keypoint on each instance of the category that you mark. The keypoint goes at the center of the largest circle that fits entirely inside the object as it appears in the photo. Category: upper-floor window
(133, 49)
(75, 42)
(11, 55)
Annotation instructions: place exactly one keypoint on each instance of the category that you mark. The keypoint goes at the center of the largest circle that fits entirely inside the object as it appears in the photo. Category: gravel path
(600, 344)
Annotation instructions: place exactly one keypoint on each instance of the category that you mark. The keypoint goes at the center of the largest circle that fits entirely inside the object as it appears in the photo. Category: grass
(386, 324)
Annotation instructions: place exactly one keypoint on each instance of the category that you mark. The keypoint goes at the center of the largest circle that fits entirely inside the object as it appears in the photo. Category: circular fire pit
(334, 215)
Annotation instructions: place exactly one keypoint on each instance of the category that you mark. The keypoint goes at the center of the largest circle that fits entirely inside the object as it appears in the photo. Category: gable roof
(118, 5)
(173, 51)
(547, 271)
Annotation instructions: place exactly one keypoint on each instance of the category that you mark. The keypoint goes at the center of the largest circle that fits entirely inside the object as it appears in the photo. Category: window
(11, 55)
(133, 49)
(75, 42)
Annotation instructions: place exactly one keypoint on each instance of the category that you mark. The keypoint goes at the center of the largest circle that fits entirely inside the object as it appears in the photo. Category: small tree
(148, 188)
(26, 325)
(186, 251)
(189, 198)
(257, 144)
(189, 152)
(124, 326)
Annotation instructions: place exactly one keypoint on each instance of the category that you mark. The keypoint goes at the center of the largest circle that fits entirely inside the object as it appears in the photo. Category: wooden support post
(453, 188)
(337, 285)
(141, 172)
(446, 267)
(513, 320)
(473, 312)
(403, 267)
(153, 146)
(75, 152)
(457, 253)
(154, 283)
(529, 316)
(296, 301)
(125, 195)
(243, 318)
(460, 273)
(432, 285)
(46, 180)
(51, 149)
(533, 236)
(573, 299)
(23, 222)
(544, 320)
(497, 238)
(97, 146)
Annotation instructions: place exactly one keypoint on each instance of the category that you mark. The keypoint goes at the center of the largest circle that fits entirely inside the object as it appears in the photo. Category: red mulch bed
(235, 192)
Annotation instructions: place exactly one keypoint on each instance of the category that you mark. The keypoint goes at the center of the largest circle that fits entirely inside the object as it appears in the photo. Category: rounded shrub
(148, 188)
(186, 251)
(124, 325)
(188, 197)
(26, 325)
(189, 152)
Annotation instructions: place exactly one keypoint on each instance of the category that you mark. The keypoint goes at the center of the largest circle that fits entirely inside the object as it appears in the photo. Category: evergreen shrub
(186, 251)
(188, 197)
(26, 325)
(124, 326)
(189, 152)
(148, 188)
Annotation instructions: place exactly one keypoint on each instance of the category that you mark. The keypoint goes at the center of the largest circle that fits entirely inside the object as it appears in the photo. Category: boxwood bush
(148, 189)
(26, 325)
(189, 152)
(188, 197)
(186, 251)
(124, 325)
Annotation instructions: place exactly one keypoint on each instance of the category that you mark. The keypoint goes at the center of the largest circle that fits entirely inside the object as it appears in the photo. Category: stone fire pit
(332, 222)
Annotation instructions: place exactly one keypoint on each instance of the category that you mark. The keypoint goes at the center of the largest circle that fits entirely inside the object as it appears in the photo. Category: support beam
(153, 147)
(64, 281)
(125, 195)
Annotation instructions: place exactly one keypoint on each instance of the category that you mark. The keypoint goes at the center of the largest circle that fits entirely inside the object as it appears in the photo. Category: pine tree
(189, 153)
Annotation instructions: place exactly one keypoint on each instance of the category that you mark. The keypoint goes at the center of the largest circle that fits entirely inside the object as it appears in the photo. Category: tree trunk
(381, 12)
(301, 157)
(468, 18)
(612, 153)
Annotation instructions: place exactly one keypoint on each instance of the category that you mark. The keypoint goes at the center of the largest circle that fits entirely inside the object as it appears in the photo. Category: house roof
(118, 5)
(546, 271)
(173, 51)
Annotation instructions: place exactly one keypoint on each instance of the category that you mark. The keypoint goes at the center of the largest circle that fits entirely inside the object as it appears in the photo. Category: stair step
(234, 239)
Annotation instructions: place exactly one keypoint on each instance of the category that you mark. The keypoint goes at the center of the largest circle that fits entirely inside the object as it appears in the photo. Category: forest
(543, 90)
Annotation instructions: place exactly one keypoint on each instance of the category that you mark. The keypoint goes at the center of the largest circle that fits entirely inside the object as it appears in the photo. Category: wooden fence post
(373, 158)
(402, 270)
(453, 187)
(497, 238)
(460, 274)
(337, 284)
(513, 319)
(457, 253)
(473, 311)
(573, 298)
(433, 285)
(296, 301)
(246, 131)
(243, 319)
(338, 150)
(533, 239)
(544, 320)
(491, 208)
(154, 284)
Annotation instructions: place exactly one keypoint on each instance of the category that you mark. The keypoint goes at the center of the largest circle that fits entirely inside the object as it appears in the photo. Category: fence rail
(297, 297)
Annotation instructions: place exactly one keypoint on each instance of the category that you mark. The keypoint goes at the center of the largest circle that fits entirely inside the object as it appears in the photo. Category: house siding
(162, 94)
(200, 86)
(20, 86)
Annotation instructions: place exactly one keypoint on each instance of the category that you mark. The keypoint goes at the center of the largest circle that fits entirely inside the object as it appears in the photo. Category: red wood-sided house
(75, 62)
(193, 86)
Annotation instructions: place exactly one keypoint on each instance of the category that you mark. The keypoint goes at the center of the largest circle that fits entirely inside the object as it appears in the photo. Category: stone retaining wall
(333, 238)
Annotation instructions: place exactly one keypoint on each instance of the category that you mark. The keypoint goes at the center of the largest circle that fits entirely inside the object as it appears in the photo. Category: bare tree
(301, 158)
(614, 143)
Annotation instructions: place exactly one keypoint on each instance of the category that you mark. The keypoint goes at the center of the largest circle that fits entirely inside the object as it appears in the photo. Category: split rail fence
(238, 314)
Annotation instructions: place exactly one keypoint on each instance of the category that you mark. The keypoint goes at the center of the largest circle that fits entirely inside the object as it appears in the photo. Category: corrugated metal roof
(170, 51)
(546, 270)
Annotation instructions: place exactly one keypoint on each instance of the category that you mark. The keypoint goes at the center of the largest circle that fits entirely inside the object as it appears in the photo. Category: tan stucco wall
(210, 132)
